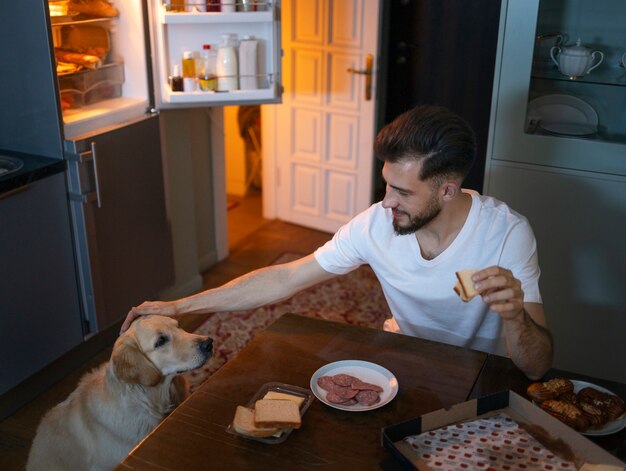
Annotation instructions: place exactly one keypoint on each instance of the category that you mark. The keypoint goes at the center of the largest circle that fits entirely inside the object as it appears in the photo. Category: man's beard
(417, 222)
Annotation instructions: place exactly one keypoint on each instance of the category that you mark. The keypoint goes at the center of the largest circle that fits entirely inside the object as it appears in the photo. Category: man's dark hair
(441, 139)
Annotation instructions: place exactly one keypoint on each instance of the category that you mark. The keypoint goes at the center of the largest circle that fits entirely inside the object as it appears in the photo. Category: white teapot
(576, 61)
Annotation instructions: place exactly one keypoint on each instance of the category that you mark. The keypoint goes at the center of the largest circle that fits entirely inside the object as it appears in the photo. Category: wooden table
(430, 375)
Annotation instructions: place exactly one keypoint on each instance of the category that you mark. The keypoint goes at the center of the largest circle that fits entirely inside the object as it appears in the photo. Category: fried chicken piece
(550, 389)
(567, 413)
(611, 404)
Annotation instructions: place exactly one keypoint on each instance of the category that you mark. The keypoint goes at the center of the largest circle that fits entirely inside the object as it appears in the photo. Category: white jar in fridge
(227, 69)
(228, 6)
(248, 63)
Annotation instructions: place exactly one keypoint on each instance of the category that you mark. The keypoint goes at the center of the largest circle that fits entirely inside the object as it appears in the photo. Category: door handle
(95, 173)
(88, 156)
(369, 65)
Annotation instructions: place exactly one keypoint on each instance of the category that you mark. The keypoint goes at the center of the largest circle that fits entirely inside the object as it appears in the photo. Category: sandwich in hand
(464, 287)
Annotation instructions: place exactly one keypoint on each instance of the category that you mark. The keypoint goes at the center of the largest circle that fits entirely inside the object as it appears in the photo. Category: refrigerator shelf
(235, 96)
(182, 18)
(77, 19)
(107, 80)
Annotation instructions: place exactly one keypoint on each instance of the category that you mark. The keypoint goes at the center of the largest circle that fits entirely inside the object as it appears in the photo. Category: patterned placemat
(491, 443)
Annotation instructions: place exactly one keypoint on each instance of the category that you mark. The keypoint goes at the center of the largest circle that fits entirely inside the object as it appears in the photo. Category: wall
(235, 154)
(188, 154)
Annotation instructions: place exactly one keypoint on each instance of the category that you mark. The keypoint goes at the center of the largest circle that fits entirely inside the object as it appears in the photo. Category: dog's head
(154, 347)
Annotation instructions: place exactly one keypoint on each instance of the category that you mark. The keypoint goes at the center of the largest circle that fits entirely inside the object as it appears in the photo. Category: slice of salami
(343, 379)
(346, 393)
(337, 399)
(325, 382)
(367, 397)
(366, 386)
(350, 402)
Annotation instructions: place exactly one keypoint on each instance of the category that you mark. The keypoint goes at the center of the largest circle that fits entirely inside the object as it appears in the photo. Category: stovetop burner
(9, 165)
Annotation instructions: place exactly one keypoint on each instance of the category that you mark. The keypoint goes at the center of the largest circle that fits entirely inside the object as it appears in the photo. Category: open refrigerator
(115, 62)
(139, 43)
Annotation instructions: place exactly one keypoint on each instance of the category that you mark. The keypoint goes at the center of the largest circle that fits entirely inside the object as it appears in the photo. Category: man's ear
(449, 190)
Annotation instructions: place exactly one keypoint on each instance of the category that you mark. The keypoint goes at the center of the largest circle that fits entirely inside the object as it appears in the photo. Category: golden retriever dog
(116, 405)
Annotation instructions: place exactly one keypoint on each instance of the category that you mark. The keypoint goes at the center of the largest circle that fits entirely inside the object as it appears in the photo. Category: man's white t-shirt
(420, 292)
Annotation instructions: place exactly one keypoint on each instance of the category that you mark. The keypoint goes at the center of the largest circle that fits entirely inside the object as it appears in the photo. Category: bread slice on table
(279, 395)
(280, 413)
(244, 424)
(464, 287)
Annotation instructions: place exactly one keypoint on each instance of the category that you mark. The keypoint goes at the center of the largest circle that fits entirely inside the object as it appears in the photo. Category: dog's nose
(207, 345)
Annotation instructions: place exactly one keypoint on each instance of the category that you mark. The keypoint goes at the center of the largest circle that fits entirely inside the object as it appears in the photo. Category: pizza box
(465, 437)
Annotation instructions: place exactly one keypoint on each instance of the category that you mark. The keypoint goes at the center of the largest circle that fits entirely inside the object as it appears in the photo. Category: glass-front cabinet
(578, 79)
(557, 155)
(563, 64)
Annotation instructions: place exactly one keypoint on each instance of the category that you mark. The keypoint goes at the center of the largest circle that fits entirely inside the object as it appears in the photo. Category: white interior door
(320, 139)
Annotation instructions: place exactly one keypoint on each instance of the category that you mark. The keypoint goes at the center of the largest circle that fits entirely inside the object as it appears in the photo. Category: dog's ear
(132, 366)
(179, 390)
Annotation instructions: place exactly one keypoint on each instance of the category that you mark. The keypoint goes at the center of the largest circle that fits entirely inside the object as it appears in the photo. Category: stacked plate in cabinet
(563, 115)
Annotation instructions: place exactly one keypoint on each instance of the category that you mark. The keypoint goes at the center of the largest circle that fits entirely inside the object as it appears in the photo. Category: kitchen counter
(34, 168)
(38, 283)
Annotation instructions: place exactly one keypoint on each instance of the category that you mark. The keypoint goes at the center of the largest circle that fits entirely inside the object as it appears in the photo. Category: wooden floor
(254, 242)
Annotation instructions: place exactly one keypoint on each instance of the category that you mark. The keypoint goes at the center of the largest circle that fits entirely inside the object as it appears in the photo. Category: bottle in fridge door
(189, 72)
(227, 66)
(207, 78)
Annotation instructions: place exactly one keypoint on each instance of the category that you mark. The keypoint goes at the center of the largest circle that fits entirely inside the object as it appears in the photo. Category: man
(423, 231)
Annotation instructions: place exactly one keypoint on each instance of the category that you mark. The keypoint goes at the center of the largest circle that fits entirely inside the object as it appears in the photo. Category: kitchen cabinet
(519, 81)
(570, 185)
(117, 201)
(41, 317)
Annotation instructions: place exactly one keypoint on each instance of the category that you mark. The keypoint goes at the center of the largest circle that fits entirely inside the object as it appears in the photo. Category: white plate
(365, 371)
(569, 129)
(562, 110)
(613, 426)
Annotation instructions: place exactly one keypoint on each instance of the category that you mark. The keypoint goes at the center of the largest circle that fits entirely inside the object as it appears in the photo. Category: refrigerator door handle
(84, 157)
(83, 197)
(95, 172)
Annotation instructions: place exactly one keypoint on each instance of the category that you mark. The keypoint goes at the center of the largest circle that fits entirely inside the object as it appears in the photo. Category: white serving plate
(613, 426)
(563, 114)
(365, 371)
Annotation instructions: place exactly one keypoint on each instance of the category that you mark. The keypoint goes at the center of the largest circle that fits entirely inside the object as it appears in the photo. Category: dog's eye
(162, 340)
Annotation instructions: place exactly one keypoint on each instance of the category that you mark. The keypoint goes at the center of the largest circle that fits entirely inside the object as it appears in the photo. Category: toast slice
(279, 395)
(464, 287)
(243, 423)
(280, 413)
